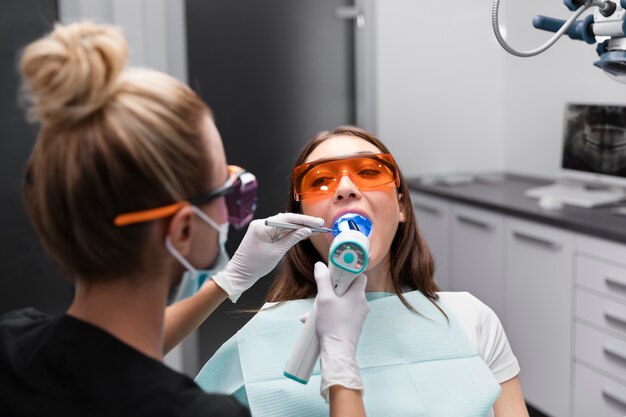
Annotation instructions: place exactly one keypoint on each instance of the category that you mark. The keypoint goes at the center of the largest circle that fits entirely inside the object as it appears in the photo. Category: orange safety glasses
(240, 191)
(368, 171)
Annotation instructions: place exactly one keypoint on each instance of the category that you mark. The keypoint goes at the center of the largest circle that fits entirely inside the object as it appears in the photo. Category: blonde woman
(128, 189)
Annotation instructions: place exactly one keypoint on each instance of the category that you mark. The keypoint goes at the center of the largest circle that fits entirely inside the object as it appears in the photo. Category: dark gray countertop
(504, 193)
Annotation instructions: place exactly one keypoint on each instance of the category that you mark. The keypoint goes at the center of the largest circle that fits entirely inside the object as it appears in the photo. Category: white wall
(439, 85)
(538, 88)
(449, 99)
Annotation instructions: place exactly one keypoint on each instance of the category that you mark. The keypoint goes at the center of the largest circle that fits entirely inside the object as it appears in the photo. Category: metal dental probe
(297, 226)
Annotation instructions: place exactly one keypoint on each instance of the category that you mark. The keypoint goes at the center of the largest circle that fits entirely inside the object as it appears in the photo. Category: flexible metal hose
(552, 41)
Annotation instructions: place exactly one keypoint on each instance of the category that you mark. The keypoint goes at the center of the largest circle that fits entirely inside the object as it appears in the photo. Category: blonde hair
(112, 140)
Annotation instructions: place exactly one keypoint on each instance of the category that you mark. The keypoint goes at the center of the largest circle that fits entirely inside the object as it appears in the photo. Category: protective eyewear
(239, 191)
(367, 171)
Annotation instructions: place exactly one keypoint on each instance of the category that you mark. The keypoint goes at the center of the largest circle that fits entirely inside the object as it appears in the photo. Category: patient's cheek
(321, 244)
(380, 243)
(375, 250)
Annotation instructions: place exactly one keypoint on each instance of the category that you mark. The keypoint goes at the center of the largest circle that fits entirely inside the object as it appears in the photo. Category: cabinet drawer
(608, 314)
(599, 276)
(601, 248)
(432, 219)
(601, 350)
(597, 395)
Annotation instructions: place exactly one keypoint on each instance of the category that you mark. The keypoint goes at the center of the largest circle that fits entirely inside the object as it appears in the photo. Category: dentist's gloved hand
(338, 324)
(260, 251)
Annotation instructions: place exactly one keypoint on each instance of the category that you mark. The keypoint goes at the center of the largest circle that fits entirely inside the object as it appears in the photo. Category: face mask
(194, 278)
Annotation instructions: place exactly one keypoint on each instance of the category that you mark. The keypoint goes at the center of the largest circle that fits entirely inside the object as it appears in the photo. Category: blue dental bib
(417, 365)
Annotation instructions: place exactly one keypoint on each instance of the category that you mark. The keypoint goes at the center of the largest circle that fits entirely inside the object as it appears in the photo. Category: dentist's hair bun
(73, 72)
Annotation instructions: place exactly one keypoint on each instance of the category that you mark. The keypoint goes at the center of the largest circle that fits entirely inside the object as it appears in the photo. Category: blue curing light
(363, 224)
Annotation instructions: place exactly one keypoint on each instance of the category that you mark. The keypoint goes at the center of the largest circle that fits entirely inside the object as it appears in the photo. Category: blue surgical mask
(194, 278)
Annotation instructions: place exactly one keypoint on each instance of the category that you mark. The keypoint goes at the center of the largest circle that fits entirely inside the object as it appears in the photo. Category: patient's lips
(344, 222)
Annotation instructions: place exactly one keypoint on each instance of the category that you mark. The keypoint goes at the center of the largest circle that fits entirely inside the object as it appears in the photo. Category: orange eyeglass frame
(141, 216)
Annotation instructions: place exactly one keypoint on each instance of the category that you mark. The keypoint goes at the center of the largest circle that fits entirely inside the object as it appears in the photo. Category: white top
(485, 332)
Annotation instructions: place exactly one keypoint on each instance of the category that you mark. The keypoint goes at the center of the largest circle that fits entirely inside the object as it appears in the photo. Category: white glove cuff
(337, 370)
(224, 282)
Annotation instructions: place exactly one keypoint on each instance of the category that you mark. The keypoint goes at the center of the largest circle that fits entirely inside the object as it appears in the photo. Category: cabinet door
(477, 253)
(538, 302)
(432, 220)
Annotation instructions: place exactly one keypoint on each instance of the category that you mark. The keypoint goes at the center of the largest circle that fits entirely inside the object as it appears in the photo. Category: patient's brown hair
(412, 265)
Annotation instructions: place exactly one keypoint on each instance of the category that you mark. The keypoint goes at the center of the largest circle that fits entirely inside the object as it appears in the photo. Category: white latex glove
(338, 324)
(260, 251)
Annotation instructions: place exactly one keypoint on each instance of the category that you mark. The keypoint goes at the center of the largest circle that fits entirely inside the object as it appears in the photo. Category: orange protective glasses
(239, 190)
(368, 171)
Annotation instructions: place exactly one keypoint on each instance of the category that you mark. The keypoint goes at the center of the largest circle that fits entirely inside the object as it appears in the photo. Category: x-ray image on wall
(594, 139)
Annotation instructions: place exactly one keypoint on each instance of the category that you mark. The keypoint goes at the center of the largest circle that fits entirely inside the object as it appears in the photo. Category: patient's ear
(401, 207)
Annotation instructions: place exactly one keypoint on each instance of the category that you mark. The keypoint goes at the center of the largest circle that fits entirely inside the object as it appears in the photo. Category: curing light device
(347, 259)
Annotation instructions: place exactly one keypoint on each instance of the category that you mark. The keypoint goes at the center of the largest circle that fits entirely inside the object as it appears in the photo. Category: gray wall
(28, 277)
(155, 29)
(275, 73)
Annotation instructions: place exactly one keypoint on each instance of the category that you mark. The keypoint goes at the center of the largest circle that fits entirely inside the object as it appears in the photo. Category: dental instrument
(348, 257)
(297, 226)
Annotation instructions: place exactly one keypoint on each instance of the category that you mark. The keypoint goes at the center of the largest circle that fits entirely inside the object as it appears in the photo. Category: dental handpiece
(348, 257)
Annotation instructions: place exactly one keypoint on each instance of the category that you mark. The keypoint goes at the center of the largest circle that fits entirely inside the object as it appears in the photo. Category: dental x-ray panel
(594, 142)
(593, 159)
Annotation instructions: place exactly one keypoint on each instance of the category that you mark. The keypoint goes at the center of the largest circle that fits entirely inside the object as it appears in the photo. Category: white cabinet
(432, 219)
(561, 297)
(600, 328)
(477, 255)
(539, 305)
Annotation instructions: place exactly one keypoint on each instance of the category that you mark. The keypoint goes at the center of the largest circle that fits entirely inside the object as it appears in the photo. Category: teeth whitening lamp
(347, 258)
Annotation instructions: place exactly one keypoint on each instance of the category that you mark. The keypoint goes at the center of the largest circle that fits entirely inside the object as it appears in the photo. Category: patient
(421, 352)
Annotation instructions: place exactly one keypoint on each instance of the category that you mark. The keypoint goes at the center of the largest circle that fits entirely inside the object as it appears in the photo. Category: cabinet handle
(428, 209)
(612, 315)
(536, 239)
(614, 394)
(474, 222)
(621, 282)
(614, 351)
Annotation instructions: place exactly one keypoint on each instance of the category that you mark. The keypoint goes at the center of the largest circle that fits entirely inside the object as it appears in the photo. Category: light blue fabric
(411, 365)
